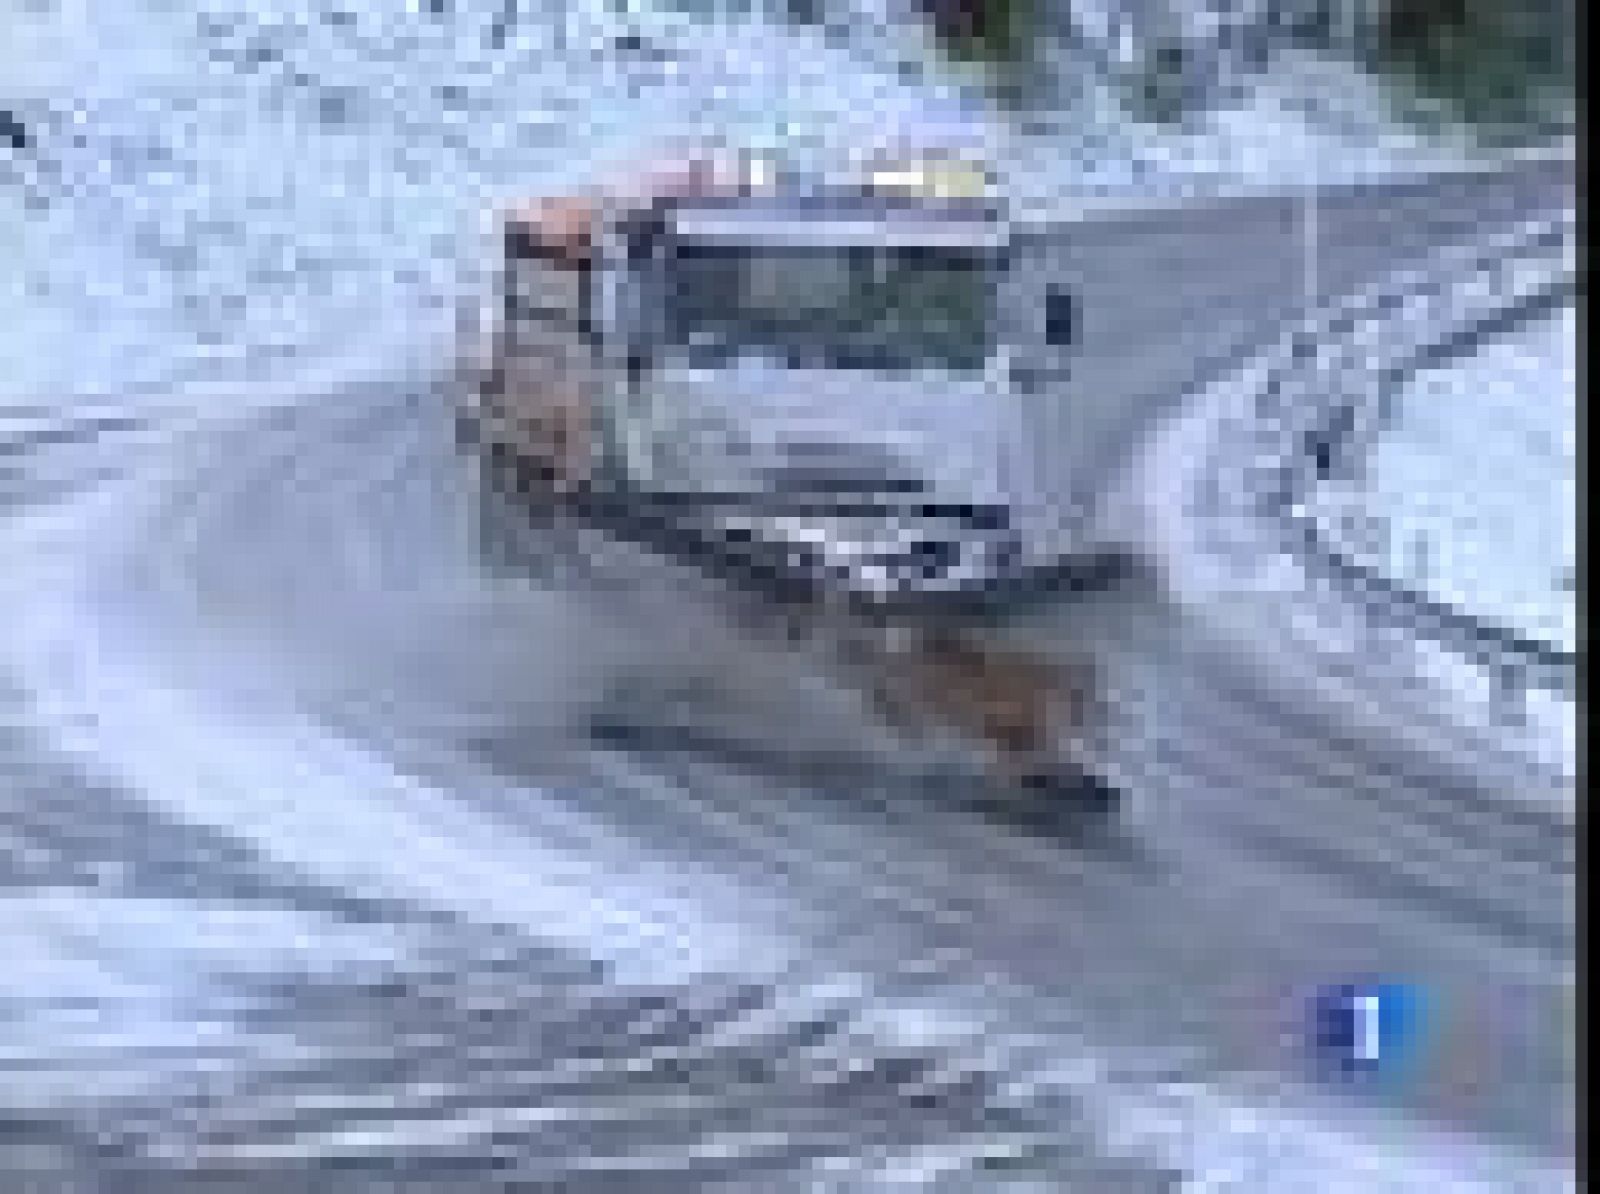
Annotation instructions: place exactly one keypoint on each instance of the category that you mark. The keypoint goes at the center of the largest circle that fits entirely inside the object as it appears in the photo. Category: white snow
(1475, 484)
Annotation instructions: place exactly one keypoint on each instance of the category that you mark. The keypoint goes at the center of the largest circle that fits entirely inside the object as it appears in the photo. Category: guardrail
(1322, 397)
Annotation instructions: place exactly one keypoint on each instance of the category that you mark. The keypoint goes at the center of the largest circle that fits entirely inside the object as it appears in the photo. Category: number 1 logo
(1369, 1028)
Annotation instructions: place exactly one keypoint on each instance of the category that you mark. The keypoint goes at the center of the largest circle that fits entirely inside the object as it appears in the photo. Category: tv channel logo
(1367, 1030)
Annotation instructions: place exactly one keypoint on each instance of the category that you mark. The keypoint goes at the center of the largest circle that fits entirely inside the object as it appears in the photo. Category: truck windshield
(895, 309)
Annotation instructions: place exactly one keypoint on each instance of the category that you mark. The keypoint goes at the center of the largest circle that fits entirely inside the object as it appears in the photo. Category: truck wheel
(493, 518)
(509, 512)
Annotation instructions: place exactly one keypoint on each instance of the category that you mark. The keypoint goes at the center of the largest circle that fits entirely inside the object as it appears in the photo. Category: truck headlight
(932, 178)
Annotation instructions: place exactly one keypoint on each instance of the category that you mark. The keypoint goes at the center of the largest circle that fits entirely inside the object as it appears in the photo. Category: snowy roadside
(1484, 522)
(1196, 500)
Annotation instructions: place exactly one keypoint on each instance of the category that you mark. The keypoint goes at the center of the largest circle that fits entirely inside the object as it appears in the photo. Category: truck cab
(853, 388)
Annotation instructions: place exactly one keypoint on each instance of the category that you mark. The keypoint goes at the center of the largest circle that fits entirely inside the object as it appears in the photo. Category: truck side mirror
(1060, 317)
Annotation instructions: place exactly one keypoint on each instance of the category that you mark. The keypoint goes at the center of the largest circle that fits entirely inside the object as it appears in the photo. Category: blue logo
(1366, 1029)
